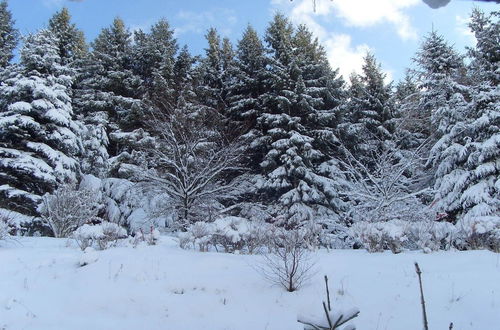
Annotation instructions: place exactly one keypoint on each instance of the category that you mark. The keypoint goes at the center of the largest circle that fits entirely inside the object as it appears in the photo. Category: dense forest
(134, 130)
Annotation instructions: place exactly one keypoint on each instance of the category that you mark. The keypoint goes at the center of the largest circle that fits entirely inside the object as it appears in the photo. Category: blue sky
(391, 29)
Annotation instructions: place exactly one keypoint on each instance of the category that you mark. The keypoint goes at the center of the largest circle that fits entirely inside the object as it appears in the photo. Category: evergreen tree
(39, 140)
(410, 121)
(438, 73)
(368, 117)
(486, 55)
(71, 41)
(184, 78)
(108, 96)
(294, 171)
(154, 54)
(112, 67)
(215, 70)
(9, 36)
(323, 85)
(468, 154)
(247, 84)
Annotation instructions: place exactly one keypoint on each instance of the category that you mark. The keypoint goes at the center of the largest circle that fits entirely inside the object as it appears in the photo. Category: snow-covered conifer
(468, 156)
(71, 42)
(8, 35)
(368, 116)
(39, 140)
(295, 171)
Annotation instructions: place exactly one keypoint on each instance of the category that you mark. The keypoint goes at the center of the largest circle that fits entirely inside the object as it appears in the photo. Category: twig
(422, 300)
(328, 316)
(328, 294)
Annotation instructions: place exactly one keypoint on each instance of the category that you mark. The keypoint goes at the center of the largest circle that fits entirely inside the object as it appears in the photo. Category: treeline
(264, 129)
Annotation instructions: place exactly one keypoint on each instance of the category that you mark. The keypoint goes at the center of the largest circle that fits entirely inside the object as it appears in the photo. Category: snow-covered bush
(68, 208)
(88, 257)
(259, 236)
(335, 234)
(101, 236)
(289, 264)
(479, 233)
(198, 235)
(380, 236)
(230, 233)
(430, 235)
(150, 237)
(397, 235)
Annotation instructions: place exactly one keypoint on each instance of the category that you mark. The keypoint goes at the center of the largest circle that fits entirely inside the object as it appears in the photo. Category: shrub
(68, 208)
(230, 234)
(430, 235)
(198, 235)
(289, 263)
(101, 236)
(397, 235)
(150, 238)
(479, 233)
(380, 236)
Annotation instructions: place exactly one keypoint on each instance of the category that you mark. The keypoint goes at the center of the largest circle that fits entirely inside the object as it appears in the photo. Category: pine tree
(71, 41)
(323, 85)
(108, 96)
(438, 74)
(247, 84)
(39, 140)
(154, 54)
(215, 70)
(468, 154)
(410, 121)
(184, 79)
(294, 170)
(9, 36)
(112, 61)
(368, 120)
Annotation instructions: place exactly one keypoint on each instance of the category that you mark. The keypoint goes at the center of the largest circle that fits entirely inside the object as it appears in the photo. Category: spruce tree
(215, 71)
(295, 171)
(71, 41)
(154, 57)
(39, 140)
(247, 84)
(468, 154)
(368, 121)
(108, 96)
(438, 72)
(9, 36)
(184, 76)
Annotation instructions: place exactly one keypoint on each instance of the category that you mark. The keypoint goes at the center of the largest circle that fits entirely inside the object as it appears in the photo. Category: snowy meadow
(43, 286)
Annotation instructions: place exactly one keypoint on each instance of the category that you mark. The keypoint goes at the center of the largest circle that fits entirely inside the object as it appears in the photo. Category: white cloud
(199, 22)
(341, 51)
(463, 29)
(343, 55)
(359, 13)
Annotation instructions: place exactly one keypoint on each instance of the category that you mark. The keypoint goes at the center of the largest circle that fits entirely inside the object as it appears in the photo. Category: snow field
(43, 286)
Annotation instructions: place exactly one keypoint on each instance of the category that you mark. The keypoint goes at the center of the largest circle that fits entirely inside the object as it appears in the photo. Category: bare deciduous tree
(388, 188)
(289, 264)
(195, 166)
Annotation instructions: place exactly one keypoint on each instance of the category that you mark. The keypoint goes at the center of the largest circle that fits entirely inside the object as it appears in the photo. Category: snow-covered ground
(43, 287)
